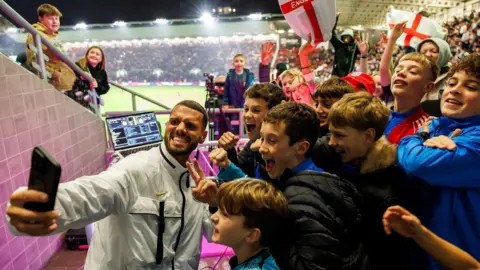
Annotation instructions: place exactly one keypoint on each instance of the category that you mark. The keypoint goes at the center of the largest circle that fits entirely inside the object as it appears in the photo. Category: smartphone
(44, 176)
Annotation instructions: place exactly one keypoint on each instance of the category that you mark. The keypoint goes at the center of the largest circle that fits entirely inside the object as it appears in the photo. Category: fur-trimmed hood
(382, 156)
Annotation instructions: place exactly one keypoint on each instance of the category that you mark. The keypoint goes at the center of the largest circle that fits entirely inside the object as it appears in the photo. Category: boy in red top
(414, 76)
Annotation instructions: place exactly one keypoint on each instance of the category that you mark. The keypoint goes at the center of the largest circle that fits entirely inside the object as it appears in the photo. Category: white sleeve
(92, 198)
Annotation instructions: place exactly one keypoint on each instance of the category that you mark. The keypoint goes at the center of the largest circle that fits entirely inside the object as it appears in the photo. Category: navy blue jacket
(232, 95)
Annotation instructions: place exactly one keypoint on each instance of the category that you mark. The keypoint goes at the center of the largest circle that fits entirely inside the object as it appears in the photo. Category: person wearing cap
(346, 51)
(361, 82)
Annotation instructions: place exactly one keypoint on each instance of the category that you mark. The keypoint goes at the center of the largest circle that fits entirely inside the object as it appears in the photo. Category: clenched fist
(228, 141)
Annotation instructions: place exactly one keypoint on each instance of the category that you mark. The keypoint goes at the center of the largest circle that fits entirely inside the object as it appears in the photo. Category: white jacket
(124, 201)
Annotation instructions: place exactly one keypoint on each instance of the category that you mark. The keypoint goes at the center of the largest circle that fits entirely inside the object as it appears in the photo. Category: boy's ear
(370, 134)
(302, 147)
(253, 236)
(429, 87)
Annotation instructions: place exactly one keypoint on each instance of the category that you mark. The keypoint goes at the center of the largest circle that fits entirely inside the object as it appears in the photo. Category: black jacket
(381, 184)
(323, 228)
(98, 74)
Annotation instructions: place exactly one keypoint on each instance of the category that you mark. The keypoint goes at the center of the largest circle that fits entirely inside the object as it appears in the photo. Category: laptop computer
(134, 132)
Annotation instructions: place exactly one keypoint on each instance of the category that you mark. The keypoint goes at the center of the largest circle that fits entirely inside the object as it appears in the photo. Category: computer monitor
(128, 131)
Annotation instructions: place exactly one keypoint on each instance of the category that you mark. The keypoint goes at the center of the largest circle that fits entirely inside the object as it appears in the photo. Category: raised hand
(267, 52)
(307, 48)
(219, 157)
(228, 141)
(383, 40)
(27, 221)
(362, 44)
(397, 30)
(398, 219)
(205, 190)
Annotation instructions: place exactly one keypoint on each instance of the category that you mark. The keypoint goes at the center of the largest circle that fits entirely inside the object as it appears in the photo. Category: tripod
(214, 121)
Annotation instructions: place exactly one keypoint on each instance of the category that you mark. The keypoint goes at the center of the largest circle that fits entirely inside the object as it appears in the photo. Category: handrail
(17, 18)
(135, 93)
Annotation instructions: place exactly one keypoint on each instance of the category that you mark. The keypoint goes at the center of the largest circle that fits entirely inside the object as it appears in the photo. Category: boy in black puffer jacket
(325, 219)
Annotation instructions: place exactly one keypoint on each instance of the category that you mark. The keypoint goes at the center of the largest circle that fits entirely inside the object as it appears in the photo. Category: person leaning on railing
(93, 63)
(48, 26)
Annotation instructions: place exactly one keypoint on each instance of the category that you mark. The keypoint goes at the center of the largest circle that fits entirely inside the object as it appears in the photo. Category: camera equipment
(212, 102)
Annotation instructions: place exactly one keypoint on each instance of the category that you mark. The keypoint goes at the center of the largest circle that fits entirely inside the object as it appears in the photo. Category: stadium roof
(372, 13)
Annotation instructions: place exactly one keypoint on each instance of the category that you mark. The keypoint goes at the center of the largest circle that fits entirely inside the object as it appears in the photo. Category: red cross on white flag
(310, 17)
(417, 28)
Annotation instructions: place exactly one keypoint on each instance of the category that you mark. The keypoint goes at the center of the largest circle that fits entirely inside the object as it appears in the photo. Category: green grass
(118, 100)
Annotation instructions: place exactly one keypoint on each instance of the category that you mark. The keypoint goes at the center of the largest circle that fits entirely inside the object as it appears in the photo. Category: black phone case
(44, 176)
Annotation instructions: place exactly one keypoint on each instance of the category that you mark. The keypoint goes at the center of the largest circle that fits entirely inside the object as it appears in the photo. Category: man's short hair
(422, 60)
(469, 64)
(360, 111)
(334, 87)
(196, 107)
(49, 10)
(301, 122)
(263, 206)
(271, 93)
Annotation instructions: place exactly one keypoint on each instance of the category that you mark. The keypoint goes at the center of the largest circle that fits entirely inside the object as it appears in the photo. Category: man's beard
(175, 153)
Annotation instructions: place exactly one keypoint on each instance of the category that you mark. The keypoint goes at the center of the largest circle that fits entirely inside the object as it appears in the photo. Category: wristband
(364, 56)
(424, 135)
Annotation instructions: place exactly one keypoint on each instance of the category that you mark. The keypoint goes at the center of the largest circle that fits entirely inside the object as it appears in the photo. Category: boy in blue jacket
(446, 155)
(239, 79)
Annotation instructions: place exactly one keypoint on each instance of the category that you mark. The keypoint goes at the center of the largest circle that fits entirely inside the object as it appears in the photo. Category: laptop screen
(129, 131)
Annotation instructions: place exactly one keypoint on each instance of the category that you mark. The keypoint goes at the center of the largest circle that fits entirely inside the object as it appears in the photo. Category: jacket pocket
(157, 222)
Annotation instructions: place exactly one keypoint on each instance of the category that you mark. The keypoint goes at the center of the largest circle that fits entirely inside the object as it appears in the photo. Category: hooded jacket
(125, 202)
(345, 54)
(55, 64)
(381, 184)
(454, 178)
(323, 231)
(444, 56)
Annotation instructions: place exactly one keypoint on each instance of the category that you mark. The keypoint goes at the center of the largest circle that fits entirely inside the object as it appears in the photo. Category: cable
(218, 261)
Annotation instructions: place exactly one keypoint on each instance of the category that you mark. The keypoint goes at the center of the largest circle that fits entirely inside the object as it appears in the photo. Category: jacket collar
(42, 28)
(459, 123)
(382, 156)
(173, 167)
(306, 165)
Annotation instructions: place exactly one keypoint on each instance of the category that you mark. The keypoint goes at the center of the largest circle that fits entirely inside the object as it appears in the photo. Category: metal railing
(135, 94)
(39, 39)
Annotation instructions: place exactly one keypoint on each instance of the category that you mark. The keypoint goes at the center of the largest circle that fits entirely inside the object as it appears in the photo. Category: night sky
(108, 11)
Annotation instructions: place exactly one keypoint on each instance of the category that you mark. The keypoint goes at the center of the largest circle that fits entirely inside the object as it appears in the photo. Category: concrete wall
(33, 113)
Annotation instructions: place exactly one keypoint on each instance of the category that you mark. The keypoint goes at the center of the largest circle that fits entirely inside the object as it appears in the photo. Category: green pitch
(118, 100)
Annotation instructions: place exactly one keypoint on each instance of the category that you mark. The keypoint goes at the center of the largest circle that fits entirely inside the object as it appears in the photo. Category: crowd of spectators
(174, 60)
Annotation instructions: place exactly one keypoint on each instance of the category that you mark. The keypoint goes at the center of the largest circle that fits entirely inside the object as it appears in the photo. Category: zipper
(182, 220)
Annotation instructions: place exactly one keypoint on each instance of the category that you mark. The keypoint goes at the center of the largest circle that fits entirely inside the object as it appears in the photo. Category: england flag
(417, 28)
(310, 17)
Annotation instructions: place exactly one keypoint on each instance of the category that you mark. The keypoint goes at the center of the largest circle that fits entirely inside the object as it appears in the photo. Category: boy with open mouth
(323, 207)
(259, 99)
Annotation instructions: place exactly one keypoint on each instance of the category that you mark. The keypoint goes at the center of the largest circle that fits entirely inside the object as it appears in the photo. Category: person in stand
(48, 25)
(92, 63)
